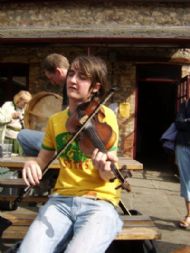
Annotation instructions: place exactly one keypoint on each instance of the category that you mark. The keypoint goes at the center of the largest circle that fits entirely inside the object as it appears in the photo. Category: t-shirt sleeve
(111, 120)
(49, 139)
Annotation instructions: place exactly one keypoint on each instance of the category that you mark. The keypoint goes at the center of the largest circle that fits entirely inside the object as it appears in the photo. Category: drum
(40, 107)
(185, 249)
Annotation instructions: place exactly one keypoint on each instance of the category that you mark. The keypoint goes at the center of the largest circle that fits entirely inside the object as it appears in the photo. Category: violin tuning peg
(118, 187)
(125, 186)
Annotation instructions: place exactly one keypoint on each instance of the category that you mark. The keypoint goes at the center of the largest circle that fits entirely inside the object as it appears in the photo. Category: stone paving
(156, 193)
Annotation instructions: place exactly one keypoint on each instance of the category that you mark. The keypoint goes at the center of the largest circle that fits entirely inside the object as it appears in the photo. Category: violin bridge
(83, 119)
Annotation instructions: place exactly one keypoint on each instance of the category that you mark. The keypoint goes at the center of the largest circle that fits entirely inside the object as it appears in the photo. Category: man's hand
(16, 115)
(102, 162)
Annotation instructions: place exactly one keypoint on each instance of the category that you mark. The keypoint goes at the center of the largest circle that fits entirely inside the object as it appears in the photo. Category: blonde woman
(11, 119)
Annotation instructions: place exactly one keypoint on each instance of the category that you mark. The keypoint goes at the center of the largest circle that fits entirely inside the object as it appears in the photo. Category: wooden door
(183, 90)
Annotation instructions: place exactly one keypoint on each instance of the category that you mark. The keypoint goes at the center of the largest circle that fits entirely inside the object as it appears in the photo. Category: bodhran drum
(40, 107)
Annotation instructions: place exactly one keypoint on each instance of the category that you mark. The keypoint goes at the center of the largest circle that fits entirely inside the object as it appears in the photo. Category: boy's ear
(96, 87)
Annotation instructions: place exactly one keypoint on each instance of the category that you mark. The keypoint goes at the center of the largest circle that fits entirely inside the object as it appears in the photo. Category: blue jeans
(72, 225)
(31, 141)
(183, 161)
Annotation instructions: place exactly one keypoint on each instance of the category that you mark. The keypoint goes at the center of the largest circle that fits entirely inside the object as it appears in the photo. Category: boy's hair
(53, 61)
(95, 69)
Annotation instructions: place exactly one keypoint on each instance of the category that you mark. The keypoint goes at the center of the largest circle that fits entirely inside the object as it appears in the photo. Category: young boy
(80, 215)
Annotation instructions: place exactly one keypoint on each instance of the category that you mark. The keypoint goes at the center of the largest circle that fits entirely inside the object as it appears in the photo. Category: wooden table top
(17, 162)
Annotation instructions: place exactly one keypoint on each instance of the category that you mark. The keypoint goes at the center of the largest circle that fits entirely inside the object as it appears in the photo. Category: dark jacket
(183, 124)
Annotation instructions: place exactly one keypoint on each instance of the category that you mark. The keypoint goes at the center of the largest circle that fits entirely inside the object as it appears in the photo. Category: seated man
(55, 69)
(31, 141)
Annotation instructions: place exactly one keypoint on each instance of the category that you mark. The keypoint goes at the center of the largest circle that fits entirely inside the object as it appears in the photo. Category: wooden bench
(136, 228)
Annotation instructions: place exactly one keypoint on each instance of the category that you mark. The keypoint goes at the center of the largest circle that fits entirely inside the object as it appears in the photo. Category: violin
(96, 134)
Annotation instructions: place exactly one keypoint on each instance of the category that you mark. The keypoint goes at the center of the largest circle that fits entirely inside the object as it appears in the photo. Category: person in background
(80, 215)
(55, 68)
(182, 152)
(11, 119)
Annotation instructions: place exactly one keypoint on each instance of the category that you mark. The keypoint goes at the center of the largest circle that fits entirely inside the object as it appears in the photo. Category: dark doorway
(13, 78)
(157, 91)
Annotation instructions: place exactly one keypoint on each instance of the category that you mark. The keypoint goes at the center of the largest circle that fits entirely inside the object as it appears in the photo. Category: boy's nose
(74, 78)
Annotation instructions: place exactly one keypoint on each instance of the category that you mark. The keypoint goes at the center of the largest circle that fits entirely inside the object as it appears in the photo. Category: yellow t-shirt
(77, 175)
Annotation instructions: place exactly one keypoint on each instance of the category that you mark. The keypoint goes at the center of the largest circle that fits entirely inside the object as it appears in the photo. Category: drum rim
(37, 97)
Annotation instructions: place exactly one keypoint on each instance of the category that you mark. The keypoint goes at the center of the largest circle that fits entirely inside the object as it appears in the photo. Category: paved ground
(156, 193)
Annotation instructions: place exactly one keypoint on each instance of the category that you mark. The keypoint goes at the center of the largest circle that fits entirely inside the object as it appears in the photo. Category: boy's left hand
(102, 162)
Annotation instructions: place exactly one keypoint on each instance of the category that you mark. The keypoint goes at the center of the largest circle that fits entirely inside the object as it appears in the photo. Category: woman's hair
(95, 69)
(22, 95)
(53, 61)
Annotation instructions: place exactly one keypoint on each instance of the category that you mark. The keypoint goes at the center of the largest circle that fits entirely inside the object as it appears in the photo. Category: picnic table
(17, 162)
(137, 229)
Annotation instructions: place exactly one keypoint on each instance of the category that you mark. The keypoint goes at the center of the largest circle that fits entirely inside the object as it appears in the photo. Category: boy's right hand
(32, 173)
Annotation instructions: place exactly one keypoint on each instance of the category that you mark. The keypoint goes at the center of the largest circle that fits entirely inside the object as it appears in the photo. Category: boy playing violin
(80, 215)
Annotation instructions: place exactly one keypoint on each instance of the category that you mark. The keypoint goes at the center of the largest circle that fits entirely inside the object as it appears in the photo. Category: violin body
(96, 134)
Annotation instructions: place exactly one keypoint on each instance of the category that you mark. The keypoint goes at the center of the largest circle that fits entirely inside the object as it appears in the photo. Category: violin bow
(84, 121)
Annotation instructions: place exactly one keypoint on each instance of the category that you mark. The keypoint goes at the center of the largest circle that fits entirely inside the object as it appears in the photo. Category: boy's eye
(79, 75)
(70, 73)
(82, 76)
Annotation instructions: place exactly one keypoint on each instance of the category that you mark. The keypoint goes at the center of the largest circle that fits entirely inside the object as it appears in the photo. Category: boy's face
(78, 85)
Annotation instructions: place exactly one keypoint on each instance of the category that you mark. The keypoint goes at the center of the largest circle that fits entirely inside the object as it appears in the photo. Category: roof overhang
(178, 36)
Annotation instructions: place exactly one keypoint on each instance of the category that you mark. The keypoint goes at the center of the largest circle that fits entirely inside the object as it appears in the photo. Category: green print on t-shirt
(73, 151)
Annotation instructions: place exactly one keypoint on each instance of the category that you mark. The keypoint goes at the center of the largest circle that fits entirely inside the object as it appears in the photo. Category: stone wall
(79, 12)
(121, 74)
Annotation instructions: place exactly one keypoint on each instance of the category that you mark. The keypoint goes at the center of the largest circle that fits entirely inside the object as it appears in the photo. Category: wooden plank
(17, 162)
(139, 221)
(12, 182)
(27, 199)
(130, 163)
(141, 233)
(136, 227)
(133, 233)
